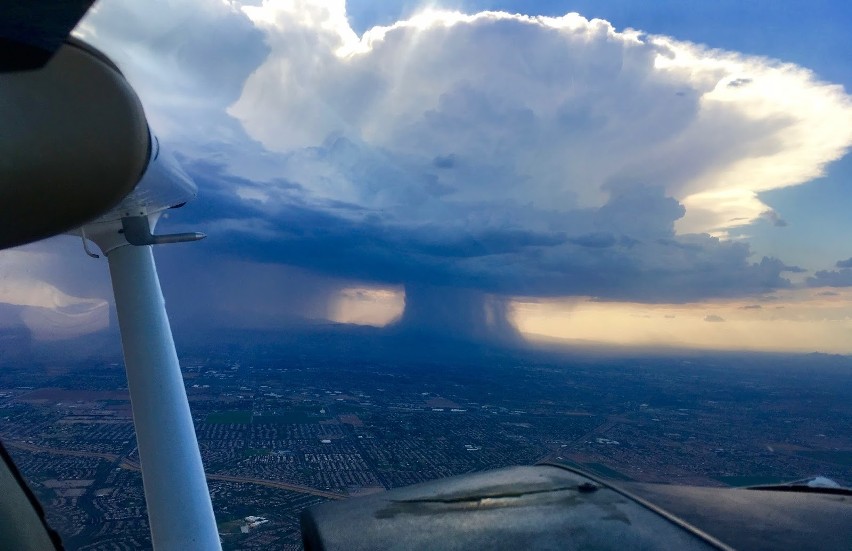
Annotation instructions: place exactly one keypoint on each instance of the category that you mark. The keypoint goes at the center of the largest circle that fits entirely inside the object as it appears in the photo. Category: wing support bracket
(86, 243)
(137, 231)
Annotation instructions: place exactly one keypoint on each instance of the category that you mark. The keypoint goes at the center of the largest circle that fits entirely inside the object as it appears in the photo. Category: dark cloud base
(458, 281)
(451, 160)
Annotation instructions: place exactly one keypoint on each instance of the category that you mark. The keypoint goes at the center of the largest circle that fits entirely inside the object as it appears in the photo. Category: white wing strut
(180, 511)
(179, 507)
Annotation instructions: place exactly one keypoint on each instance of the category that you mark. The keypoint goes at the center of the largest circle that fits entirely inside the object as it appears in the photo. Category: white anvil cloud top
(474, 157)
(555, 112)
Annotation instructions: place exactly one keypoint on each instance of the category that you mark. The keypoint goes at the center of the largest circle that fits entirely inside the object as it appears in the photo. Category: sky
(646, 174)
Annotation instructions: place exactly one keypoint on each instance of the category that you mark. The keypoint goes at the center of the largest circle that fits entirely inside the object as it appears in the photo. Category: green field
(295, 416)
(604, 471)
(750, 480)
(289, 417)
(229, 418)
(341, 408)
(840, 457)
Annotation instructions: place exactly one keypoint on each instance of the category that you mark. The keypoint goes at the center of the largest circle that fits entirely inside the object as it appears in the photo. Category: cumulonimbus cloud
(495, 153)
(541, 110)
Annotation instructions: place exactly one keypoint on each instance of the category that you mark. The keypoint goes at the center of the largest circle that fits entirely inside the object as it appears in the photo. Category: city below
(285, 423)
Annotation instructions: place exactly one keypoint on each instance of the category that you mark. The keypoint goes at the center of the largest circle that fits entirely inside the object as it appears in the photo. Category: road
(128, 464)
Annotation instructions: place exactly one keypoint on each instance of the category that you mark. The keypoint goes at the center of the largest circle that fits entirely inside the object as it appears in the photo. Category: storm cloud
(31, 300)
(474, 158)
(547, 111)
(638, 258)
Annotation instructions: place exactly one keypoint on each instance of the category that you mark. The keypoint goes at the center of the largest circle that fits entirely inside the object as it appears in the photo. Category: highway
(128, 464)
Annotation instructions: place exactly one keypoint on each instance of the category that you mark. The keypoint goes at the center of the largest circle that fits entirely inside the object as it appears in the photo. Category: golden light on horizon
(367, 306)
(803, 320)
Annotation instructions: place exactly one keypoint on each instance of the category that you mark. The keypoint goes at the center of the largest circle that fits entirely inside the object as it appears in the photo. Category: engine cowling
(74, 141)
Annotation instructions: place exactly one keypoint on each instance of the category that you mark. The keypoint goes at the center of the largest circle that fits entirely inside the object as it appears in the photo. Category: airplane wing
(554, 506)
(31, 32)
(75, 139)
